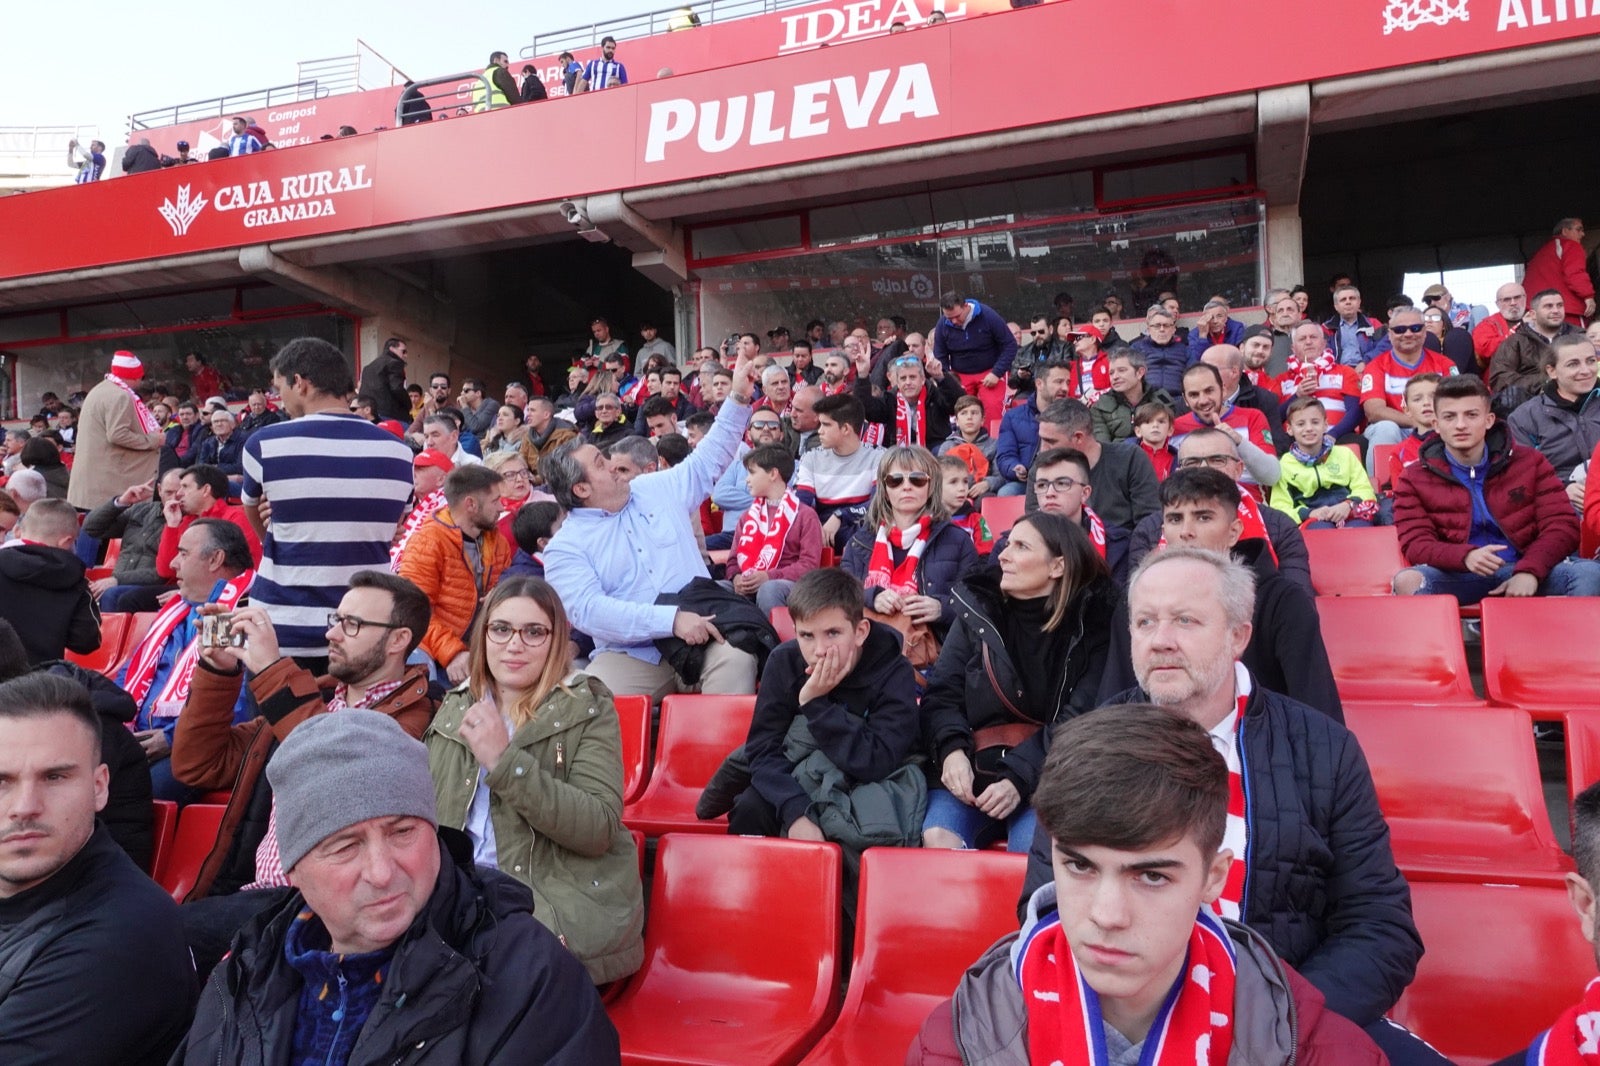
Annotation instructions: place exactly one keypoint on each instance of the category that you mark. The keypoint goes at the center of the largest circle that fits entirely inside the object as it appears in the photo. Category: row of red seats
(119, 635)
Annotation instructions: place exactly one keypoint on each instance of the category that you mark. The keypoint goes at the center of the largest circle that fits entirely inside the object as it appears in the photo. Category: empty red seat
(113, 552)
(138, 626)
(924, 917)
(633, 715)
(697, 733)
(198, 827)
(1381, 456)
(163, 827)
(1583, 753)
(828, 558)
(1002, 512)
(1460, 789)
(113, 644)
(782, 621)
(1354, 562)
(1502, 962)
(1396, 649)
(741, 953)
(1534, 652)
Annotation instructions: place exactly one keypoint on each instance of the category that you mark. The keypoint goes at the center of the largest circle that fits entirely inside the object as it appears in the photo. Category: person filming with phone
(213, 565)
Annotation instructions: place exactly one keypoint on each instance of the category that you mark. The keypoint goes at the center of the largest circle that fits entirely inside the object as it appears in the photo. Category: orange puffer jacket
(436, 562)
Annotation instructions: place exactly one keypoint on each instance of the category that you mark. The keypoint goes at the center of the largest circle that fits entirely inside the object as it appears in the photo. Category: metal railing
(453, 98)
(652, 22)
(40, 152)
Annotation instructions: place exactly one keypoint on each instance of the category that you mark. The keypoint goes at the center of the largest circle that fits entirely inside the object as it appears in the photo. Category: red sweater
(167, 550)
(802, 549)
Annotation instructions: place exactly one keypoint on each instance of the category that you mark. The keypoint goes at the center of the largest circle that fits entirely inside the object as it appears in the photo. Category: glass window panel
(743, 238)
(38, 326)
(902, 216)
(1157, 180)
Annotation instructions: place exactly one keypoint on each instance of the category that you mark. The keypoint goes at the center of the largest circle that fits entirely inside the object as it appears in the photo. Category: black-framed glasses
(1055, 485)
(532, 635)
(352, 625)
(1416, 327)
(1216, 462)
(917, 478)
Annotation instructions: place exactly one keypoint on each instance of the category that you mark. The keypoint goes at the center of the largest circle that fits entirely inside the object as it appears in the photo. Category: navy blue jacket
(1321, 884)
(1232, 333)
(227, 456)
(949, 557)
(1165, 364)
(1018, 442)
(984, 345)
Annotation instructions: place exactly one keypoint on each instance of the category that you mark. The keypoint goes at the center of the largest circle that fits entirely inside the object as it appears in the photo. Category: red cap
(1089, 331)
(437, 460)
(394, 426)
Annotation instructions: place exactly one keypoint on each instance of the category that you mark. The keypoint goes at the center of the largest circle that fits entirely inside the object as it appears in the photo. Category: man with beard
(379, 623)
(1512, 301)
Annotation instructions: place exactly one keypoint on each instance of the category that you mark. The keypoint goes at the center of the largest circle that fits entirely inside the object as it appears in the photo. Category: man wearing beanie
(118, 439)
(394, 942)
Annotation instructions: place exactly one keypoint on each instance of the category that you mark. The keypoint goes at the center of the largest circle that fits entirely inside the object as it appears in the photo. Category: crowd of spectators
(486, 567)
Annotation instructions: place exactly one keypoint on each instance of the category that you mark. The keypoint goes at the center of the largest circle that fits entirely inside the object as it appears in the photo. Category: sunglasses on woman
(894, 481)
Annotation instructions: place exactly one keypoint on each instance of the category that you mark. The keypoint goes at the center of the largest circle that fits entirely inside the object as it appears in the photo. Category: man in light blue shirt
(624, 543)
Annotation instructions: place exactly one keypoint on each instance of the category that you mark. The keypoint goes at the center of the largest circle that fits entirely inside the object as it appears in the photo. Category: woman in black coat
(1027, 650)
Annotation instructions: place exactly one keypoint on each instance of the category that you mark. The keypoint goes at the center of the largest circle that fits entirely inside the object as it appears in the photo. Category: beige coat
(112, 451)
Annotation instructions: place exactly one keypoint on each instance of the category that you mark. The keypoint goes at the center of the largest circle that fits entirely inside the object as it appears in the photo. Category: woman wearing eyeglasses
(526, 758)
(1027, 650)
(907, 554)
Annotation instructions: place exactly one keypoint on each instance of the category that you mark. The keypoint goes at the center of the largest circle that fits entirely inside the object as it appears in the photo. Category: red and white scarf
(1236, 835)
(1575, 1038)
(1194, 1028)
(881, 571)
(763, 531)
(909, 431)
(1091, 378)
(419, 514)
(147, 656)
(147, 421)
(1096, 529)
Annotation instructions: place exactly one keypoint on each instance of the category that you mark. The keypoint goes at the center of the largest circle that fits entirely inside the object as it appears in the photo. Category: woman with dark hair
(907, 554)
(1027, 650)
(526, 757)
(43, 454)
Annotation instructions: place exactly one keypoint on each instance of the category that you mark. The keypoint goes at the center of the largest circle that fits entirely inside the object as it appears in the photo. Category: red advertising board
(287, 124)
(901, 89)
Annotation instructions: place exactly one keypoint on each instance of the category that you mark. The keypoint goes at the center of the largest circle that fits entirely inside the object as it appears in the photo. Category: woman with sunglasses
(1452, 340)
(526, 758)
(907, 554)
(1027, 650)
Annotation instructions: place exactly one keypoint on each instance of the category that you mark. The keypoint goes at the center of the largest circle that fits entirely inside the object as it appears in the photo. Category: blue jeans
(1571, 577)
(163, 786)
(1013, 488)
(968, 823)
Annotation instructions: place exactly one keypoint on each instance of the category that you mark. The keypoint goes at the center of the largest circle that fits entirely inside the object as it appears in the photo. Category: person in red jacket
(1123, 954)
(1479, 516)
(202, 493)
(1559, 266)
(1488, 335)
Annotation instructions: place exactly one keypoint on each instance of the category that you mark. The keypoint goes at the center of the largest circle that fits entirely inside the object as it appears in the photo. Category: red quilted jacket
(1433, 510)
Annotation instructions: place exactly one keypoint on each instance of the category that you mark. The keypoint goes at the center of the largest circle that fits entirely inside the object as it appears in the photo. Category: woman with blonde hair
(526, 758)
(907, 554)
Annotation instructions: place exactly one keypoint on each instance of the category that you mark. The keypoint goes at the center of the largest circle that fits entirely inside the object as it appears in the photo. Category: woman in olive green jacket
(527, 758)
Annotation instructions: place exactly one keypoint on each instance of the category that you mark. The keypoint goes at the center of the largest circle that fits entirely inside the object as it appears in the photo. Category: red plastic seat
(1354, 562)
(198, 826)
(1534, 654)
(828, 558)
(741, 953)
(163, 827)
(697, 733)
(1502, 962)
(633, 715)
(782, 621)
(1381, 455)
(1396, 649)
(1460, 789)
(1002, 512)
(924, 917)
(113, 644)
(137, 626)
(113, 552)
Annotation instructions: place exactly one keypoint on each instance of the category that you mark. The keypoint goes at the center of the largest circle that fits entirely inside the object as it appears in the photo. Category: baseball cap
(1433, 290)
(1257, 330)
(1087, 331)
(183, 144)
(436, 459)
(777, 331)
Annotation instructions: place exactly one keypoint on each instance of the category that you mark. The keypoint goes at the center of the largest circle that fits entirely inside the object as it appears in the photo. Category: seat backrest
(198, 827)
(1381, 456)
(1529, 659)
(138, 627)
(926, 914)
(163, 828)
(1002, 512)
(1475, 766)
(711, 917)
(1354, 562)
(633, 717)
(697, 733)
(1396, 648)
(113, 644)
(782, 621)
(1502, 962)
(113, 552)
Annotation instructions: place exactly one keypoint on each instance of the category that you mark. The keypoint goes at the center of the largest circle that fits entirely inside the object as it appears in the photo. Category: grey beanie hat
(336, 770)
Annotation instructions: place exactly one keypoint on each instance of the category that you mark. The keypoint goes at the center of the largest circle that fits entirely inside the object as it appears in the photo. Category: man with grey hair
(426, 950)
(610, 424)
(626, 544)
(1316, 876)
(632, 456)
(777, 390)
(27, 486)
(442, 434)
(1165, 356)
(1214, 326)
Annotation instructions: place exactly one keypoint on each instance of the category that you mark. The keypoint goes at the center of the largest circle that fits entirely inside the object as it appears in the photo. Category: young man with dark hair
(837, 478)
(93, 969)
(1122, 956)
(845, 677)
(202, 493)
(1209, 408)
(1018, 441)
(778, 540)
(383, 382)
(1478, 517)
(974, 343)
(1125, 485)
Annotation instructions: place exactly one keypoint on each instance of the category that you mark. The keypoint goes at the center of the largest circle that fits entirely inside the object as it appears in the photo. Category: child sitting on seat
(1323, 484)
(956, 482)
(1152, 425)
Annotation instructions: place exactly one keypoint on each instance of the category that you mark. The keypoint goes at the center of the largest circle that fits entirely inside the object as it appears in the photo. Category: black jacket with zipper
(975, 683)
(475, 979)
(44, 594)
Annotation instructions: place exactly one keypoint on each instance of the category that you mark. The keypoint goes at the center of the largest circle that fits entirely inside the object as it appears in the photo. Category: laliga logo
(183, 214)
(1407, 15)
(921, 287)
